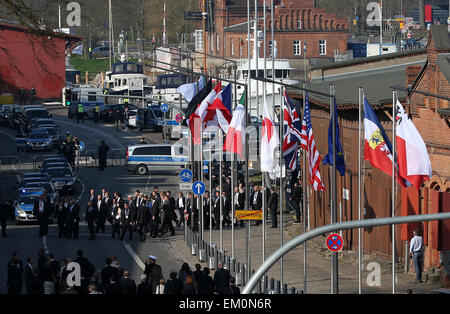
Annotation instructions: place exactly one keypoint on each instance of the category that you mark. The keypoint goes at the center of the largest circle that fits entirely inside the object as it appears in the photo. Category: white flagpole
(359, 192)
(393, 189)
(220, 189)
(273, 56)
(232, 204)
(257, 56)
(304, 199)
(210, 191)
(281, 183)
(249, 106)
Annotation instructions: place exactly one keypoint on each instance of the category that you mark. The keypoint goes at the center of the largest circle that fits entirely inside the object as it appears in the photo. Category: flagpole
(247, 103)
(200, 218)
(210, 191)
(281, 183)
(304, 198)
(334, 257)
(273, 56)
(393, 187)
(263, 191)
(359, 193)
(232, 204)
(257, 57)
(220, 189)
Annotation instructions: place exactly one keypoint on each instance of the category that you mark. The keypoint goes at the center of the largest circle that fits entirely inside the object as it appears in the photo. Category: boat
(127, 78)
(283, 72)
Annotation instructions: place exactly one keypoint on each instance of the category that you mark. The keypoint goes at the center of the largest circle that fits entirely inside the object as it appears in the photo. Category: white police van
(143, 158)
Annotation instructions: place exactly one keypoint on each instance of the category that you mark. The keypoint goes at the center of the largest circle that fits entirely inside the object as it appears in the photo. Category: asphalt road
(132, 254)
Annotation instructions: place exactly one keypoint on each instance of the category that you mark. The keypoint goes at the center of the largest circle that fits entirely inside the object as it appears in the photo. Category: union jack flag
(309, 145)
(292, 133)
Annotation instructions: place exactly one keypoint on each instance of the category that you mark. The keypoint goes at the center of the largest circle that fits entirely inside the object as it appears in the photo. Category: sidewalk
(318, 261)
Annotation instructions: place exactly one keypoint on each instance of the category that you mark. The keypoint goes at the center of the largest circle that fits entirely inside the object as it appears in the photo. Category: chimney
(411, 73)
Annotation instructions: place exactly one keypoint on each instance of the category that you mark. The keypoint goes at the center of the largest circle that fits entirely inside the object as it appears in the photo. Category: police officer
(80, 113)
(97, 113)
(106, 92)
(90, 52)
(159, 98)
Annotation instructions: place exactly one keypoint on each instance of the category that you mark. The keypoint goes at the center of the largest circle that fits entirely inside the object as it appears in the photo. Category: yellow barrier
(6, 99)
(249, 214)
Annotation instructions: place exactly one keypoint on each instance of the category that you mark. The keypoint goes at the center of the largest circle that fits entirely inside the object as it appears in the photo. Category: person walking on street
(166, 219)
(160, 288)
(257, 201)
(295, 199)
(416, 252)
(173, 285)
(97, 113)
(116, 212)
(205, 283)
(103, 149)
(5, 213)
(33, 95)
(221, 280)
(15, 271)
(30, 277)
(144, 287)
(80, 113)
(126, 222)
(232, 289)
(100, 214)
(87, 270)
(73, 220)
(190, 287)
(128, 284)
(41, 210)
(51, 270)
(272, 206)
(89, 217)
(61, 216)
(153, 272)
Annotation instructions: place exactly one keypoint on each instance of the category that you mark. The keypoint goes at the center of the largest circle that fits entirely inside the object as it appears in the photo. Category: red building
(28, 59)
(295, 23)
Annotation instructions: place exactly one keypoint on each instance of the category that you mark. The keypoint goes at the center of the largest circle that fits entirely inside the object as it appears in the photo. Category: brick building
(295, 23)
(28, 58)
(428, 71)
(432, 119)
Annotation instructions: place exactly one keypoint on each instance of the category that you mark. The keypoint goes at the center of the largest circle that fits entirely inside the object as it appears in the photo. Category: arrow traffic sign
(82, 146)
(198, 188)
(164, 108)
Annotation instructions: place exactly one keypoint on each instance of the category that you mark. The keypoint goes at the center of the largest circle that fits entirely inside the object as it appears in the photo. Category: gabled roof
(443, 62)
(439, 35)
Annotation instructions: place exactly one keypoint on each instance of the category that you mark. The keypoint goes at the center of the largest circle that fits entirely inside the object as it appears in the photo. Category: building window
(218, 42)
(322, 47)
(299, 25)
(198, 39)
(270, 48)
(232, 48)
(297, 47)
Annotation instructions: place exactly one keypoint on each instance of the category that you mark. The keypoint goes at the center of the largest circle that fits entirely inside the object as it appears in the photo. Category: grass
(93, 66)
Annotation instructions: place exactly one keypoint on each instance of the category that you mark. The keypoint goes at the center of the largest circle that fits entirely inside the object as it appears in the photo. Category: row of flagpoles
(213, 107)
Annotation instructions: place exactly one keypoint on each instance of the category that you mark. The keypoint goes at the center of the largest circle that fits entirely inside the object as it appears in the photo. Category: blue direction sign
(198, 188)
(82, 146)
(186, 175)
(164, 108)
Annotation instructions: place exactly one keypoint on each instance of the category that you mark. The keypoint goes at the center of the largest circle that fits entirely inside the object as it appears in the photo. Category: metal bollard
(259, 286)
(285, 289)
(272, 284)
(265, 280)
(232, 265)
(244, 274)
(227, 264)
(278, 286)
(194, 249)
(238, 277)
(201, 255)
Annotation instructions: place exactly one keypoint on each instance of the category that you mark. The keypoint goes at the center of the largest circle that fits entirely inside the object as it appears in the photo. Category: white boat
(127, 78)
(283, 72)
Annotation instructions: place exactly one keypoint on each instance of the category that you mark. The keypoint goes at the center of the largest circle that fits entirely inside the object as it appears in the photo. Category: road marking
(8, 135)
(44, 241)
(134, 255)
(83, 189)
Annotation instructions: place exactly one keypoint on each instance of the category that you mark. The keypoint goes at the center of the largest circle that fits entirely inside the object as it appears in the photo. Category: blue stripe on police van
(147, 158)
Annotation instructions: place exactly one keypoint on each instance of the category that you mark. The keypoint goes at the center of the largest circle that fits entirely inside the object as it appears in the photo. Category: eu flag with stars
(340, 164)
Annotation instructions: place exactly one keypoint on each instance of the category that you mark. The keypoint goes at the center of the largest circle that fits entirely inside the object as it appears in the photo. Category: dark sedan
(107, 111)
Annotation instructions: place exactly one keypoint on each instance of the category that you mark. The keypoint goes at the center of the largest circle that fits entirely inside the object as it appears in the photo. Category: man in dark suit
(61, 216)
(42, 211)
(108, 200)
(272, 206)
(114, 215)
(206, 203)
(226, 207)
(221, 280)
(87, 270)
(189, 201)
(73, 220)
(257, 201)
(114, 287)
(15, 271)
(5, 213)
(100, 214)
(239, 202)
(194, 213)
(216, 210)
(295, 198)
(30, 278)
(107, 272)
(92, 196)
(154, 208)
(126, 222)
(128, 285)
(89, 217)
(167, 212)
(142, 220)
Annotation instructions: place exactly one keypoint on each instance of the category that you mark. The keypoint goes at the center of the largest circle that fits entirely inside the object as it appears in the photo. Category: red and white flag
(219, 112)
(413, 160)
(198, 121)
(269, 142)
(235, 139)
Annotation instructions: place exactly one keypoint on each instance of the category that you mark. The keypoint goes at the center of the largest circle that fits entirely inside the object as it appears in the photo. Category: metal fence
(210, 254)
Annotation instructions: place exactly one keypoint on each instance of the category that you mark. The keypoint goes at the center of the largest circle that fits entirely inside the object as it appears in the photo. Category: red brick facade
(435, 130)
(296, 21)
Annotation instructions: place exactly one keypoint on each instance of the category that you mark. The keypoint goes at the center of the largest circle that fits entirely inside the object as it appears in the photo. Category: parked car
(54, 134)
(48, 187)
(102, 51)
(24, 204)
(39, 141)
(40, 175)
(37, 123)
(25, 181)
(62, 178)
(55, 164)
(34, 113)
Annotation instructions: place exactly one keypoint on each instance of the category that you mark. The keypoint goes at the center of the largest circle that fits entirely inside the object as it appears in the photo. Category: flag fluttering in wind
(308, 144)
(292, 133)
(219, 112)
(269, 142)
(413, 161)
(196, 101)
(328, 160)
(188, 91)
(377, 147)
(198, 121)
(235, 139)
